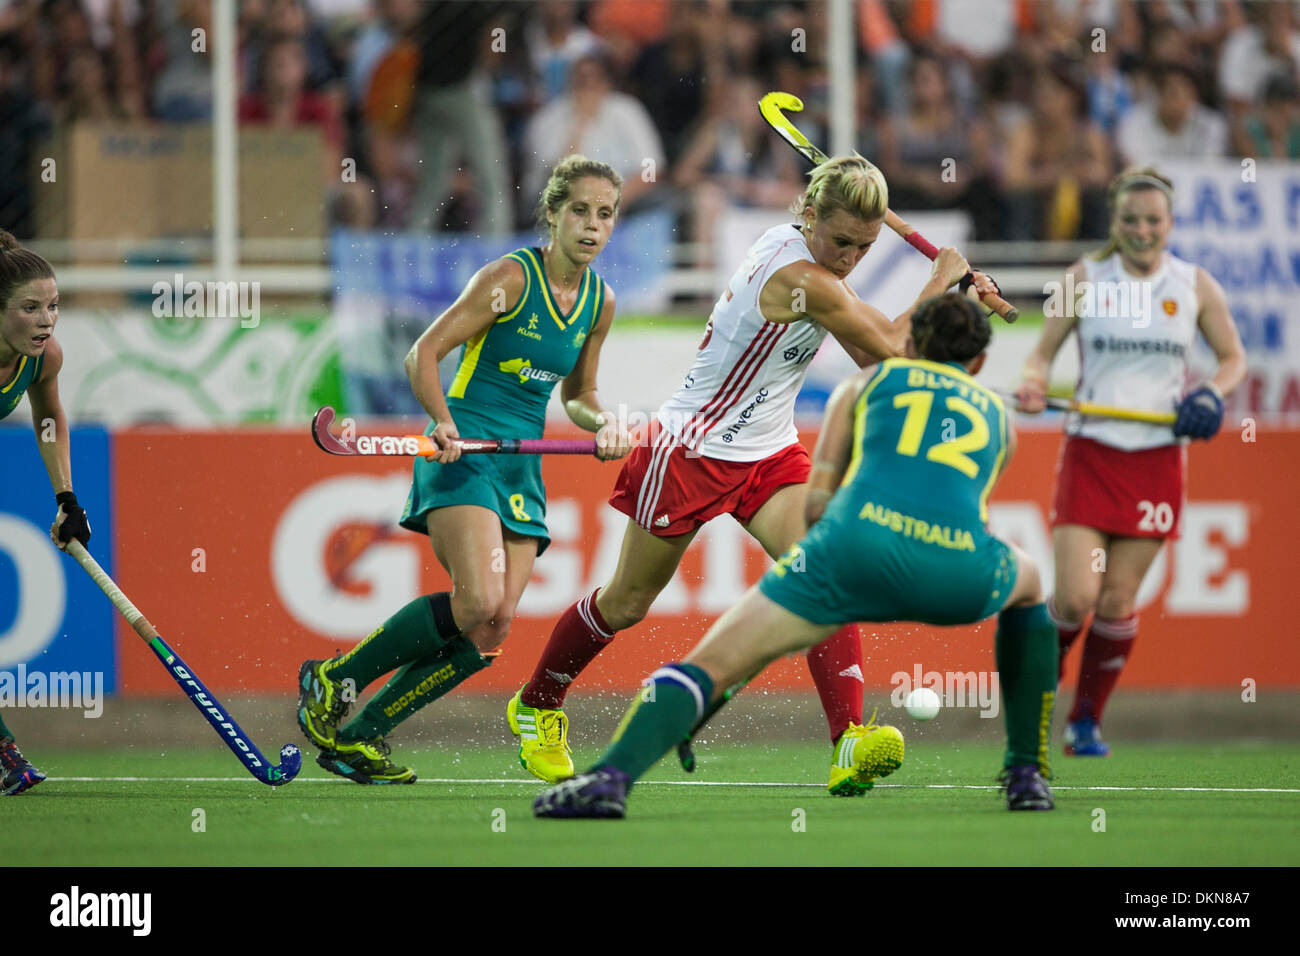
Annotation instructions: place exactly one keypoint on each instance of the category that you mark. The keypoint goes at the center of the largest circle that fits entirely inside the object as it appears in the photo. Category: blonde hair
(849, 183)
(1134, 177)
(568, 171)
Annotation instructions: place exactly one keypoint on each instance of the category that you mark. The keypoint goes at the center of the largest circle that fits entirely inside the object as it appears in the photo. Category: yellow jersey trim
(18, 373)
(997, 462)
(467, 365)
(528, 283)
(563, 322)
(860, 422)
(474, 347)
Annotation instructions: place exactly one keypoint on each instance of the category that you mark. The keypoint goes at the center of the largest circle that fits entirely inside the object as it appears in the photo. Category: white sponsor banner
(1240, 220)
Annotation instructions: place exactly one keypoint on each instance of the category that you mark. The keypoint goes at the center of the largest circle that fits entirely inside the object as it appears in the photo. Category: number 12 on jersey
(955, 452)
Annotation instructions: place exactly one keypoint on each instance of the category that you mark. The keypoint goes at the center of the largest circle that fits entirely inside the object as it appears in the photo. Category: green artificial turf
(928, 813)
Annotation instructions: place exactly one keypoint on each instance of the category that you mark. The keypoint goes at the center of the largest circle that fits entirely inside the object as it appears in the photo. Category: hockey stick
(1104, 411)
(772, 106)
(208, 705)
(425, 447)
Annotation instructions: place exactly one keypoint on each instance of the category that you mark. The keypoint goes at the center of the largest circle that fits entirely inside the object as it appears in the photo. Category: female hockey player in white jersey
(1119, 484)
(726, 443)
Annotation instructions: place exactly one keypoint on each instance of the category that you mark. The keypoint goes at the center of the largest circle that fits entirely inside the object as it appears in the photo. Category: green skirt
(889, 565)
(510, 485)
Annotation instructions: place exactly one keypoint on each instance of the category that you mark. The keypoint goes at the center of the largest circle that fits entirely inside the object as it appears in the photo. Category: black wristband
(66, 499)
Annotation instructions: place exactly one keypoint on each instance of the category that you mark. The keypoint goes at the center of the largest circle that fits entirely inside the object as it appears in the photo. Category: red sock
(580, 634)
(836, 665)
(1105, 650)
(1066, 632)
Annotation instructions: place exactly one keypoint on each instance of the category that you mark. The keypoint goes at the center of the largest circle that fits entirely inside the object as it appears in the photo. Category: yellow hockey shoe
(863, 755)
(543, 740)
(364, 761)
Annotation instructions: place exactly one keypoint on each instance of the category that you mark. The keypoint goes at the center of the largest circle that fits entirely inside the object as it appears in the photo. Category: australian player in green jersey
(908, 454)
(30, 360)
(527, 321)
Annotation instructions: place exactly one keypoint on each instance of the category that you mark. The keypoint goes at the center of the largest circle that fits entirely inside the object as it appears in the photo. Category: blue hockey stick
(221, 721)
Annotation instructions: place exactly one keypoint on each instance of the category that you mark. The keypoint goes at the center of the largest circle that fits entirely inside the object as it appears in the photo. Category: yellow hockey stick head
(773, 106)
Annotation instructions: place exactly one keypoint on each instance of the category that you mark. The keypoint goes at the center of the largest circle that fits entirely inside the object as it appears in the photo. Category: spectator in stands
(1164, 43)
(62, 27)
(669, 76)
(967, 35)
(733, 159)
(1273, 130)
(99, 84)
(87, 95)
(1008, 88)
(284, 102)
(626, 27)
(1110, 90)
(1203, 26)
(26, 125)
(1174, 126)
(394, 20)
(556, 40)
(182, 91)
(1058, 164)
(283, 99)
(1267, 46)
(453, 116)
(265, 21)
(931, 154)
(880, 39)
(873, 116)
(596, 121)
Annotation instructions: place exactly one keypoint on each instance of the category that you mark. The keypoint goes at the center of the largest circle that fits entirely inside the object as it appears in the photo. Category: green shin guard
(665, 710)
(1026, 652)
(415, 685)
(419, 630)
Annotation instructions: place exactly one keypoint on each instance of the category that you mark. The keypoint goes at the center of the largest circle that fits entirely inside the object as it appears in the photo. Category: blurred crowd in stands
(1018, 111)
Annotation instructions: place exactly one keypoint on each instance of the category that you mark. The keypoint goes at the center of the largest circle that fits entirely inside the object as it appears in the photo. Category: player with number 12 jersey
(726, 443)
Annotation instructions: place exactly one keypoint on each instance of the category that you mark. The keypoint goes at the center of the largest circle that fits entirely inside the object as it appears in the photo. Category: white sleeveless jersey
(1135, 337)
(737, 401)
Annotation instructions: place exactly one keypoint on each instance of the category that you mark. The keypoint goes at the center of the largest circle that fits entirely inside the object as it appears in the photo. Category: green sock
(418, 630)
(1026, 652)
(660, 718)
(4, 731)
(416, 684)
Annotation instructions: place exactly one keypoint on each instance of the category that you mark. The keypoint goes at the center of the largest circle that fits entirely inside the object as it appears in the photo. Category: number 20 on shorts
(1157, 517)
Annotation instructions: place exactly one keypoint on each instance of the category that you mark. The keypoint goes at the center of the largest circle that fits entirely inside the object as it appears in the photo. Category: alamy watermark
(208, 300)
(956, 688)
(73, 690)
(1099, 299)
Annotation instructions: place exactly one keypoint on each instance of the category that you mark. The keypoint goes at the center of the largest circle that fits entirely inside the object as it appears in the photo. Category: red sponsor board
(252, 551)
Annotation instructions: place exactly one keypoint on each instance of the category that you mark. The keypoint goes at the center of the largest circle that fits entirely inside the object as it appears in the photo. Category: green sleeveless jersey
(11, 392)
(928, 444)
(509, 370)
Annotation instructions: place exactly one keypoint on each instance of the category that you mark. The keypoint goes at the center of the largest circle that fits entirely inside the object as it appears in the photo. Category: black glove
(71, 522)
(1200, 413)
(969, 279)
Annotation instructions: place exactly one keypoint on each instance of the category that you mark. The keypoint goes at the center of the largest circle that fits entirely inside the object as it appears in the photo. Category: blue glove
(1200, 413)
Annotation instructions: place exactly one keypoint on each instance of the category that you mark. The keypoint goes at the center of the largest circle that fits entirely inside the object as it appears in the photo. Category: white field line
(682, 783)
